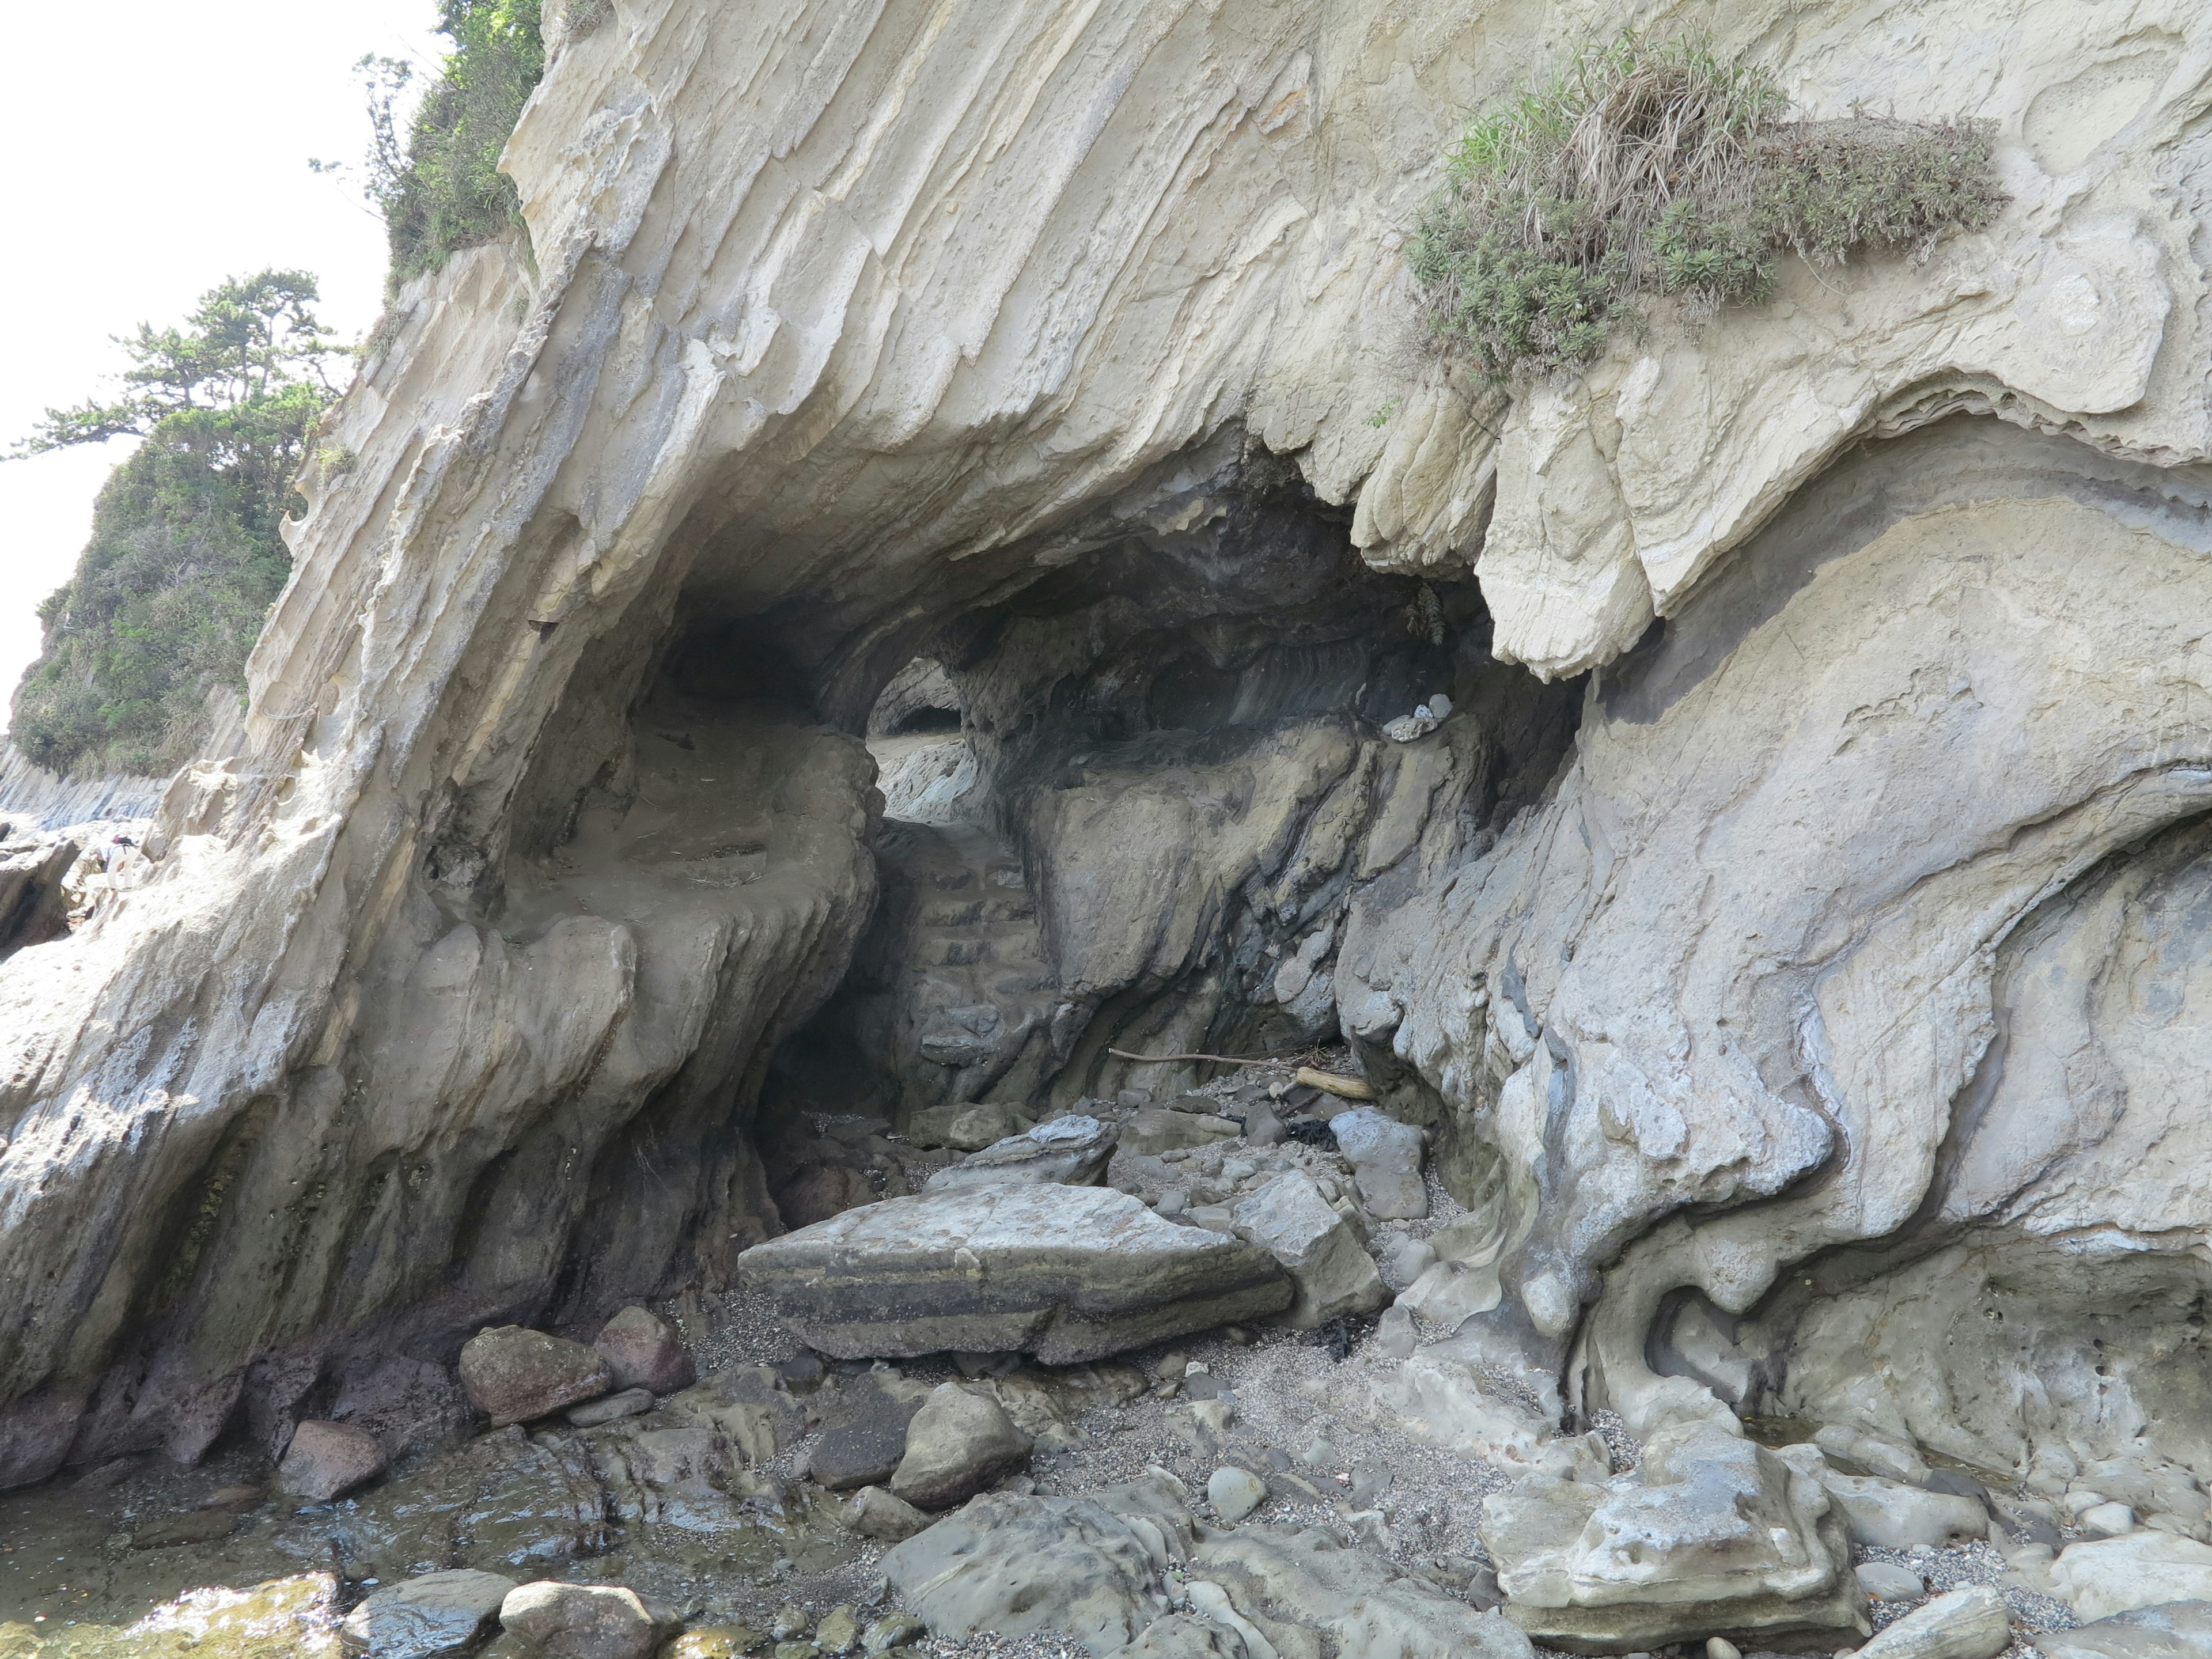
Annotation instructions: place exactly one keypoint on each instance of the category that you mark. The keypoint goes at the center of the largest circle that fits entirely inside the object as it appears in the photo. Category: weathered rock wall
(841, 326)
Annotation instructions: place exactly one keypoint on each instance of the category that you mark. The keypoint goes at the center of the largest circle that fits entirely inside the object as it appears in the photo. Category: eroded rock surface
(1782, 935)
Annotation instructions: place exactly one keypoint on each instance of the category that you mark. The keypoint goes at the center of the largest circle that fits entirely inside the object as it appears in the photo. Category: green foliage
(445, 191)
(185, 559)
(1644, 169)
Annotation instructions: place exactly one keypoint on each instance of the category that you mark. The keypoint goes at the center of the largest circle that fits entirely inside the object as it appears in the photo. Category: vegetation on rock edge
(185, 558)
(1644, 170)
(443, 190)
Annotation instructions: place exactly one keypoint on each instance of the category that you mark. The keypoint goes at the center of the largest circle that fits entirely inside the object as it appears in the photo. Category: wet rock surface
(426, 1618)
(325, 1459)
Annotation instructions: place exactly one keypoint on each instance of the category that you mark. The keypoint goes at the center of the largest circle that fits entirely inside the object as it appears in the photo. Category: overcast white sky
(150, 150)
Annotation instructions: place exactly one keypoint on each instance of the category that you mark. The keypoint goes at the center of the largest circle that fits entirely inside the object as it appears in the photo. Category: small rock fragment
(630, 1402)
(1235, 1493)
(514, 1374)
(1406, 1261)
(1171, 1367)
(1395, 1337)
(579, 1621)
(892, 1630)
(959, 1445)
(1068, 1151)
(1888, 1582)
(2108, 1520)
(839, 1631)
(1966, 1623)
(790, 1622)
(1719, 1647)
(327, 1459)
(424, 1618)
(644, 1352)
(875, 1513)
(1386, 1156)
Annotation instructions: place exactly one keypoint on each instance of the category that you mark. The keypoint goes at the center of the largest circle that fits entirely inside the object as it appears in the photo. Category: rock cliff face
(1807, 957)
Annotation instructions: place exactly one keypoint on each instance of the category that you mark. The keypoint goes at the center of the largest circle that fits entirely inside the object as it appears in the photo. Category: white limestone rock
(1710, 1533)
(1894, 1515)
(1964, 1624)
(1331, 1271)
(2108, 1575)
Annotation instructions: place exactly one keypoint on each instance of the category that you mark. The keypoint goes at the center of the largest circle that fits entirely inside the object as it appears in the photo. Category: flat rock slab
(1066, 1274)
(1073, 1151)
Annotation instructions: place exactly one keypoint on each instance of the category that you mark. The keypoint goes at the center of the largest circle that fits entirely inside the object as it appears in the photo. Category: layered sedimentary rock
(1822, 968)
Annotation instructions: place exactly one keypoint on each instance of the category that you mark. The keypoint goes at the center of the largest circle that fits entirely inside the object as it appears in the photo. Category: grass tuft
(1644, 169)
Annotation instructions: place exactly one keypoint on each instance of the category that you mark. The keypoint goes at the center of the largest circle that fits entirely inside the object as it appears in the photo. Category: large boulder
(1069, 1151)
(327, 1459)
(2107, 1576)
(579, 1621)
(34, 907)
(1303, 1592)
(1067, 1273)
(1332, 1271)
(515, 1373)
(424, 1618)
(1966, 1623)
(958, 1443)
(1892, 1515)
(294, 1618)
(644, 1352)
(1082, 1570)
(1712, 1534)
(965, 1129)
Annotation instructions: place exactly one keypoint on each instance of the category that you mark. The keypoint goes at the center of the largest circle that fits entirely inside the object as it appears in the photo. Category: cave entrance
(917, 733)
(1131, 805)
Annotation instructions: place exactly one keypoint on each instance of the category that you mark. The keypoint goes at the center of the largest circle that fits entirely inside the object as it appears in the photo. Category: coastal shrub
(185, 558)
(439, 187)
(1644, 169)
